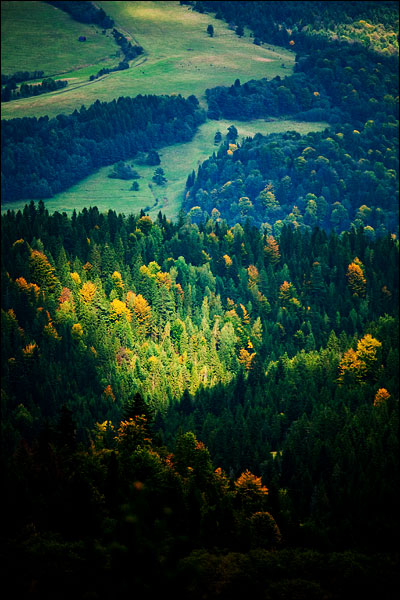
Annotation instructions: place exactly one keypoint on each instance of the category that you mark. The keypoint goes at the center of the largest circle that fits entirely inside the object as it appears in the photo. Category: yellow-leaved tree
(88, 291)
(359, 366)
(141, 309)
(118, 309)
(42, 272)
(287, 295)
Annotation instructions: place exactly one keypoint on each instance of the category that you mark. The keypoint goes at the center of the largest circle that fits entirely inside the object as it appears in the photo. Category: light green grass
(36, 36)
(178, 161)
(180, 58)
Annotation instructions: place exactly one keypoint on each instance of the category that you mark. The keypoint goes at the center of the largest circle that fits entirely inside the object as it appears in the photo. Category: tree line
(84, 12)
(41, 157)
(305, 25)
(10, 91)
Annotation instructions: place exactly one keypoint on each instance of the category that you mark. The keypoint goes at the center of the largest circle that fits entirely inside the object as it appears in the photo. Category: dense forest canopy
(209, 407)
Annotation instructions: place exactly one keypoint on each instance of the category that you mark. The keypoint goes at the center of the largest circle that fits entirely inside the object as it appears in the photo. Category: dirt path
(119, 27)
(75, 87)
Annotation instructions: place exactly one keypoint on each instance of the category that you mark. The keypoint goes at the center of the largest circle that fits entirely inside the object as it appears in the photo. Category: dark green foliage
(283, 22)
(329, 179)
(123, 171)
(275, 360)
(25, 90)
(130, 52)
(159, 176)
(20, 76)
(331, 83)
(41, 157)
(84, 12)
(138, 355)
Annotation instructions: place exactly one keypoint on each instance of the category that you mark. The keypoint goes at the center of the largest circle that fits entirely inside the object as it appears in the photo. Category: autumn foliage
(356, 278)
(141, 309)
(88, 292)
(271, 250)
(358, 366)
(118, 310)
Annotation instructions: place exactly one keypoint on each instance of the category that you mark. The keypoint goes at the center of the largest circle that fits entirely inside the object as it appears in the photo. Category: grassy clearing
(37, 36)
(177, 161)
(180, 58)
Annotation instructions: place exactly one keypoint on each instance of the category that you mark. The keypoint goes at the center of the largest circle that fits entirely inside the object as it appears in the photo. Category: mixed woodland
(209, 407)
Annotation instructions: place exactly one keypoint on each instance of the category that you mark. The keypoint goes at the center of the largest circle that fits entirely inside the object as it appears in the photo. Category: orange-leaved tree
(141, 309)
(250, 491)
(359, 366)
(356, 279)
(271, 250)
(381, 397)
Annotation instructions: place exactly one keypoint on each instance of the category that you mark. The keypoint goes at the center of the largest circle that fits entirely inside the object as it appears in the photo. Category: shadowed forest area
(208, 407)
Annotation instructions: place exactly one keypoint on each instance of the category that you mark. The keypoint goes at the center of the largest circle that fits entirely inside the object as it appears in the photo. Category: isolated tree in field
(217, 137)
(153, 158)
(123, 171)
(232, 133)
(210, 30)
(159, 176)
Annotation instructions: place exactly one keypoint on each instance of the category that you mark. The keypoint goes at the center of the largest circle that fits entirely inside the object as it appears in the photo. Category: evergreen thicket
(209, 408)
(278, 355)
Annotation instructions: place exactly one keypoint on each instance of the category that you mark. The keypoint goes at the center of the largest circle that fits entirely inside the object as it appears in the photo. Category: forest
(213, 342)
(208, 408)
(41, 157)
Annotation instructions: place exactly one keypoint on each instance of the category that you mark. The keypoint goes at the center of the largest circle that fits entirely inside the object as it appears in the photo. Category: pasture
(36, 36)
(177, 161)
(180, 58)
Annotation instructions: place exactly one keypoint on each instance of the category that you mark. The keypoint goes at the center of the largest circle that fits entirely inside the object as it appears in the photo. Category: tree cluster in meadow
(42, 156)
(332, 84)
(11, 92)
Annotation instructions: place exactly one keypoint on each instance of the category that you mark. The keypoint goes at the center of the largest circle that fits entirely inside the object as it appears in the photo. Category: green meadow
(177, 161)
(36, 36)
(179, 58)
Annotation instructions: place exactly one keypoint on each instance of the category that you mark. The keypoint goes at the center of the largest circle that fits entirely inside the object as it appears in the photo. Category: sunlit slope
(180, 58)
(38, 37)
